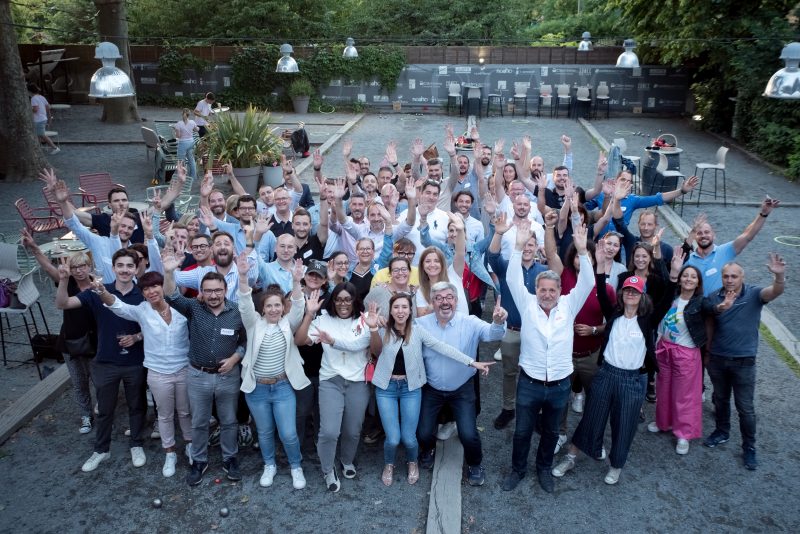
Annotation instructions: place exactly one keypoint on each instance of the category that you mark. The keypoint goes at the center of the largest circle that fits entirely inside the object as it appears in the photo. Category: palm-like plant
(245, 139)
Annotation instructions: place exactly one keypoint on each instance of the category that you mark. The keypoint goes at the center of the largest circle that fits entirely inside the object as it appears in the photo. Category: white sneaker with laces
(612, 477)
(565, 465)
(498, 356)
(86, 424)
(577, 402)
(298, 478)
(94, 460)
(138, 457)
(446, 431)
(268, 476)
(562, 440)
(169, 464)
(653, 427)
(682, 447)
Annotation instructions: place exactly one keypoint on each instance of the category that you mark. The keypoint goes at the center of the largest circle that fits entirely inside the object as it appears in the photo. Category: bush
(300, 87)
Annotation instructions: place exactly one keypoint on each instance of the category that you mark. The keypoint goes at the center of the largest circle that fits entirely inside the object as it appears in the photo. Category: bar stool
(545, 99)
(636, 160)
(601, 98)
(494, 99)
(520, 97)
(473, 102)
(716, 167)
(454, 98)
(563, 97)
(583, 102)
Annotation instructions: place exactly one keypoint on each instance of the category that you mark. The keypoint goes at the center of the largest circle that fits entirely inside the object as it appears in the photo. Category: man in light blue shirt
(450, 382)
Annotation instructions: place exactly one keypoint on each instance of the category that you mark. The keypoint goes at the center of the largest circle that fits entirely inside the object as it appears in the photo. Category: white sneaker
(155, 434)
(188, 451)
(562, 440)
(94, 460)
(138, 457)
(653, 427)
(446, 431)
(498, 356)
(86, 424)
(683, 446)
(565, 465)
(56, 150)
(268, 476)
(603, 453)
(298, 478)
(577, 402)
(128, 433)
(332, 482)
(612, 477)
(169, 464)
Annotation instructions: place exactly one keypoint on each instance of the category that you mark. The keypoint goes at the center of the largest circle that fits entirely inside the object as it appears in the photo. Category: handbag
(81, 346)
(369, 370)
(7, 289)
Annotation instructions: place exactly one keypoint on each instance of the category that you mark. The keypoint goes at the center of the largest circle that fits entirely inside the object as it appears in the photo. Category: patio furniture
(95, 187)
(150, 142)
(601, 98)
(520, 98)
(38, 224)
(722, 152)
(497, 100)
(636, 160)
(583, 102)
(545, 99)
(563, 97)
(454, 98)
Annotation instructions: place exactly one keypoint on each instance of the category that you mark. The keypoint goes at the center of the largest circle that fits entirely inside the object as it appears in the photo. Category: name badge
(308, 253)
(227, 331)
(635, 334)
(466, 185)
(624, 208)
(711, 272)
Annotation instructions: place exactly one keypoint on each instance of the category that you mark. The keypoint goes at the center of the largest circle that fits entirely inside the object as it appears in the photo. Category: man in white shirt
(202, 112)
(463, 202)
(437, 219)
(545, 358)
(41, 117)
(522, 214)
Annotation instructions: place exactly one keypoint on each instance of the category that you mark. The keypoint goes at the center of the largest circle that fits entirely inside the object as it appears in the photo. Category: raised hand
(609, 187)
(655, 241)
(498, 146)
(207, 185)
(457, 221)
(450, 145)
(600, 257)
(298, 270)
(27, 240)
(527, 143)
(473, 133)
(417, 148)
(602, 163)
(313, 303)
(677, 261)
(524, 233)
(769, 204)
(339, 188)
(776, 264)
(286, 165)
(263, 224)
(499, 314)
(61, 192)
(579, 238)
(347, 148)
(499, 160)
(515, 150)
(169, 260)
(48, 176)
(448, 130)
(227, 169)
(567, 142)
(116, 218)
(411, 189)
(621, 189)
(147, 222)
(180, 173)
(242, 265)
(550, 217)
(63, 268)
(391, 152)
(371, 318)
(689, 184)
(490, 203)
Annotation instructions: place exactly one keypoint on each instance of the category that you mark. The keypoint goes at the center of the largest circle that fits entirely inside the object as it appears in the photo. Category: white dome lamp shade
(785, 84)
(109, 81)
(586, 42)
(286, 63)
(628, 59)
(350, 50)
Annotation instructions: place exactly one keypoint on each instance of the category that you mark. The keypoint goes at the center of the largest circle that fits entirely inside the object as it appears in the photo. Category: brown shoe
(388, 475)
(413, 472)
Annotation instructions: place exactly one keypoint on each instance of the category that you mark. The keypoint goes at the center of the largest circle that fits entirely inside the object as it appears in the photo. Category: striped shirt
(271, 358)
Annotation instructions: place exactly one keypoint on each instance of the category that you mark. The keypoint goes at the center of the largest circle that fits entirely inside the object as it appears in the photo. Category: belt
(209, 370)
(513, 328)
(583, 354)
(272, 380)
(544, 383)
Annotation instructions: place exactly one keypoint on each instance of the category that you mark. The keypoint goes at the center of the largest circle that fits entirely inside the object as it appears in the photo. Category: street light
(286, 63)
(350, 50)
(109, 81)
(586, 43)
(628, 59)
(785, 84)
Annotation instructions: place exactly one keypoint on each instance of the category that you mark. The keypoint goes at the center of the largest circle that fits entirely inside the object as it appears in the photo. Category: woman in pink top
(184, 133)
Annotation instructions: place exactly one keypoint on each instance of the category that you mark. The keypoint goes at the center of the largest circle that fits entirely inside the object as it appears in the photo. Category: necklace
(165, 312)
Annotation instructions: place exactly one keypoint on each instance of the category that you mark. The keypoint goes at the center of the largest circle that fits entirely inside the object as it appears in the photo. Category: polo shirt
(736, 329)
(109, 325)
(711, 266)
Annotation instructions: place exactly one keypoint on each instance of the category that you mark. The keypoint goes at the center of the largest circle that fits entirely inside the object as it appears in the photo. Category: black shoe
(749, 456)
(651, 392)
(512, 480)
(717, 437)
(505, 417)
(231, 468)
(374, 437)
(427, 459)
(546, 480)
(475, 475)
(195, 476)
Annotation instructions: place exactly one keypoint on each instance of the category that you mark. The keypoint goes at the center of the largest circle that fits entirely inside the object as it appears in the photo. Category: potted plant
(244, 139)
(300, 92)
(272, 172)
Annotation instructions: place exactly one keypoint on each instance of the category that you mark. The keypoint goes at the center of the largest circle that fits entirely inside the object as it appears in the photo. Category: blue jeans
(533, 398)
(186, 154)
(273, 405)
(739, 375)
(462, 402)
(399, 422)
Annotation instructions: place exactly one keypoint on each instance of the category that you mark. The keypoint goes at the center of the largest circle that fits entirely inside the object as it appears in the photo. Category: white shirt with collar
(437, 222)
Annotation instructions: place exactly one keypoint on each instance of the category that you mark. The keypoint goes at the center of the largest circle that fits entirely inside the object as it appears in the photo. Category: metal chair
(636, 160)
(520, 97)
(78, 199)
(545, 99)
(601, 97)
(563, 96)
(454, 98)
(95, 187)
(583, 102)
(722, 152)
(496, 99)
(38, 224)
(150, 142)
(661, 170)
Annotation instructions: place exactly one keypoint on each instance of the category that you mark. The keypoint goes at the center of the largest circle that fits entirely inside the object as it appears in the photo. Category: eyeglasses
(81, 266)
(364, 249)
(343, 300)
(444, 298)
(407, 254)
(219, 291)
(199, 247)
(341, 263)
(400, 270)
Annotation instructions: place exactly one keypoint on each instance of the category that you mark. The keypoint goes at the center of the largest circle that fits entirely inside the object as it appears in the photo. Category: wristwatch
(594, 330)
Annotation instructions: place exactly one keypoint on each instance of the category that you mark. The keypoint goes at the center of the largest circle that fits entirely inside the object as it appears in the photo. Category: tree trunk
(21, 155)
(112, 24)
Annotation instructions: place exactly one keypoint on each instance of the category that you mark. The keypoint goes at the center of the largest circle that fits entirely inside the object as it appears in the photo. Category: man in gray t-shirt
(736, 312)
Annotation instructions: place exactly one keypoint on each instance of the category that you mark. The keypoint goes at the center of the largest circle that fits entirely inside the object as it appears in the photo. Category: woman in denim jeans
(272, 369)
(399, 376)
(184, 132)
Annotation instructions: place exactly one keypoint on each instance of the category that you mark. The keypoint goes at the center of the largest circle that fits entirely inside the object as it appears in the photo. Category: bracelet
(373, 329)
(249, 245)
(765, 215)
(317, 169)
(550, 226)
(394, 164)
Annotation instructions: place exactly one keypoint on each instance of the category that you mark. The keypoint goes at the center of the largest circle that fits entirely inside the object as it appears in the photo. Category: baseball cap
(635, 282)
(317, 267)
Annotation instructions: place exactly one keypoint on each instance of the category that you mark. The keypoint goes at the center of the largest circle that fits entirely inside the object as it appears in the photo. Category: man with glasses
(217, 345)
(201, 252)
(450, 383)
(246, 206)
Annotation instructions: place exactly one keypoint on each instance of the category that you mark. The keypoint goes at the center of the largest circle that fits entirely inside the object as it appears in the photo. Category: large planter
(273, 176)
(300, 104)
(249, 179)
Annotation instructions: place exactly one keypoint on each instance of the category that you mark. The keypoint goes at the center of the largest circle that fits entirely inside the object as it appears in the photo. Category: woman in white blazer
(272, 369)
(399, 377)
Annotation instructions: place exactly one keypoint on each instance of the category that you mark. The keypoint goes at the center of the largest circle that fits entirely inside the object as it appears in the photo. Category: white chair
(636, 160)
(563, 96)
(520, 97)
(583, 102)
(722, 152)
(661, 170)
(545, 99)
(151, 142)
(454, 97)
(22, 303)
(601, 98)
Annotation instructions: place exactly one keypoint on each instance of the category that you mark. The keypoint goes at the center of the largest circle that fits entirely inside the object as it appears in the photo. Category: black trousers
(106, 379)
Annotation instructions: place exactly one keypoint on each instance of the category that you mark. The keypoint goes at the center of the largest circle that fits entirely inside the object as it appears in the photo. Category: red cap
(635, 282)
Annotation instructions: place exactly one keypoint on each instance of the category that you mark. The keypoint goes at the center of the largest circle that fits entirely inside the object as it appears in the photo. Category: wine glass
(120, 335)
(97, 277)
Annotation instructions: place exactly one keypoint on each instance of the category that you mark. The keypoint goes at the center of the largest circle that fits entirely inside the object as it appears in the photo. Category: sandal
(388, 475)
(413, 472)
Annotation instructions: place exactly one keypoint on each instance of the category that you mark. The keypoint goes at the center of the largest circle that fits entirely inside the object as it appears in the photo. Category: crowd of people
(359, 316)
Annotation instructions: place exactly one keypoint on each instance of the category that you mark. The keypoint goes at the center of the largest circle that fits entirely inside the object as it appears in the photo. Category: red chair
(50, 198)
(95, 187)
(38, 224)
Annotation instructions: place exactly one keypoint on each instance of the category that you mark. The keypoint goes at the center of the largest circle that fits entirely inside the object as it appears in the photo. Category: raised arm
(777, 266)
(602, 167)
(459, 258)
(550, 245)
(754, 227)
(63, 300)
(43, 261)
(687, 185)
(514, 278)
